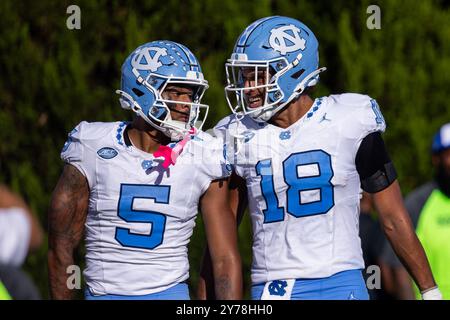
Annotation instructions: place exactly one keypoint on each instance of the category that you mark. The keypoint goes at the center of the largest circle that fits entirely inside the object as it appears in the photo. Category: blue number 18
(296, 184)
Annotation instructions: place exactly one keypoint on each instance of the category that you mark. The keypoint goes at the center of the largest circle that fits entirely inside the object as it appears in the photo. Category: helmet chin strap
(173, 133)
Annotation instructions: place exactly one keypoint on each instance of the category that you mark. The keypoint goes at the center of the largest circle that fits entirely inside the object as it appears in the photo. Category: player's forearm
(228, 278)
(63, 239)
(410, 251)
(205, 285)
(60, 257)
(66, 218)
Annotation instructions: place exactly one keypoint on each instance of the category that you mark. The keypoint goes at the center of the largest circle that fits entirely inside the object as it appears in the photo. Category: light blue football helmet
(283, 55)
(147, 71)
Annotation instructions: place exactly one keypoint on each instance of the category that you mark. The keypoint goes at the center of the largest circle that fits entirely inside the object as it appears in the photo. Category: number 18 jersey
(303, 186)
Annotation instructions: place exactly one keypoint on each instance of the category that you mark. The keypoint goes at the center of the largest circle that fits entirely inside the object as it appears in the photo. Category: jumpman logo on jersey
(277, 288)
(324, 117)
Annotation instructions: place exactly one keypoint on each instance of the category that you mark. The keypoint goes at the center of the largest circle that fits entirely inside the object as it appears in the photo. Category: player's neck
(293, 112)
(145, 137)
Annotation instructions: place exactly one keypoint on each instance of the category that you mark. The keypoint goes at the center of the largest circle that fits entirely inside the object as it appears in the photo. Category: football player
(301, 163)
(135, 188)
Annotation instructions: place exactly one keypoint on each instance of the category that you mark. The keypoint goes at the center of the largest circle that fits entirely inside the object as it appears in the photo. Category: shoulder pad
(84, 137)
(92, 130)
(351, 99)
(359, 113)
(233, 126)
(226, 122)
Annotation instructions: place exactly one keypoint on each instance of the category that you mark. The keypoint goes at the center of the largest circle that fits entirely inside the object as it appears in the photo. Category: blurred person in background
(394, 278)
(429, 207)
(20, 234)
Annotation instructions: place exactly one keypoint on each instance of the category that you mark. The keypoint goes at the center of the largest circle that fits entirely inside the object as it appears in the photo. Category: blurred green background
(51, 78)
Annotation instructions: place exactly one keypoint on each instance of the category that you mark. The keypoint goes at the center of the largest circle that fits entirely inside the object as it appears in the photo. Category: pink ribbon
(171, 155)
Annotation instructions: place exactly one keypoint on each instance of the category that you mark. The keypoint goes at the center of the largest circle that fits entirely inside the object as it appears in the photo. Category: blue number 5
(129, 192)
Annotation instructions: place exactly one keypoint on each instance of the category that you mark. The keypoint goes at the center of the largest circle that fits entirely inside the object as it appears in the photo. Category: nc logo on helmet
(143, 60)
(280, 38)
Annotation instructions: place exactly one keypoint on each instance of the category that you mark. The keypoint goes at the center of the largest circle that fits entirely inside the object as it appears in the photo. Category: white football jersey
(141, 216)
(303, 186)
(15, 233)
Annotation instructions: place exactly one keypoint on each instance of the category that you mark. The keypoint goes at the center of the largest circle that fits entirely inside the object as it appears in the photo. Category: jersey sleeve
(79, 153)
(222, 132)
(371, 119)
(361, 115)
(215, 161)
(368, 116)
(229, 142)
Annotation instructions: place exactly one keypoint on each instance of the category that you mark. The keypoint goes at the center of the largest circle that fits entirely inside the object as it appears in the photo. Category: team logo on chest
(144, 60)
(286, 39)
(146, 164)
(285, 135)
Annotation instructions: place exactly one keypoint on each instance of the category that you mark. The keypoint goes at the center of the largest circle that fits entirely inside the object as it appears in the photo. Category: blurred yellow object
(4, 295)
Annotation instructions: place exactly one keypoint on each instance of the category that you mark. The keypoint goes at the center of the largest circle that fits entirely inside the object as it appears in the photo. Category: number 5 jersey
(303, 186)
(141, 215)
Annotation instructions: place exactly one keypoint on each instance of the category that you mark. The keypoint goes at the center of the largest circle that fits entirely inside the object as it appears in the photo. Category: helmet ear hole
(272, 70)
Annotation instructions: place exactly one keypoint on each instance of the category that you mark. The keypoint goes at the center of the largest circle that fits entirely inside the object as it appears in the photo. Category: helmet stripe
(193, 64)
(242, 42)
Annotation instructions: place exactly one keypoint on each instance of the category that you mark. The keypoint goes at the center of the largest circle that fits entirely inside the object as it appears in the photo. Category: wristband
(432, 294)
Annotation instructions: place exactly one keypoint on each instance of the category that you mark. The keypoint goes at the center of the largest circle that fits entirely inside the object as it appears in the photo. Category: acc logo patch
(144, 60)
(107, 153)
(286, 39)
